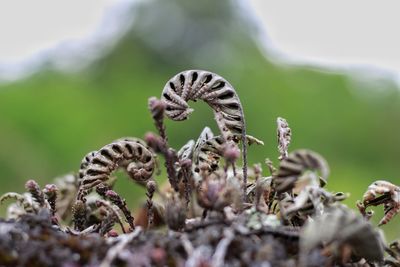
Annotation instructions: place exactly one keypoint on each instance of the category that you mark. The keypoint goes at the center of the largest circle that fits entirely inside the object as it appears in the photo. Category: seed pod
(292, 167)
(109, 158)
(217, 93)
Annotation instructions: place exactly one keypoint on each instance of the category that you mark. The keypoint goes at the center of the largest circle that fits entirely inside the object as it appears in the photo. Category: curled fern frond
(110, 157)
(293, 167)
(217, 93)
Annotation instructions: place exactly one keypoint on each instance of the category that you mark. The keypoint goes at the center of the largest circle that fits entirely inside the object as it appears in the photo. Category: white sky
(328, 32)
(337, 32)
(27, 27)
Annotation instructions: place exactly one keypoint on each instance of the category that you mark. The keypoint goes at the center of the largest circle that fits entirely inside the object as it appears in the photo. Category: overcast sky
(28, 26)
(336, 32)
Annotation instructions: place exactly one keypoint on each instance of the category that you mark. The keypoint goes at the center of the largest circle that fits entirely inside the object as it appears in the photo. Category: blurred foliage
(50, 120)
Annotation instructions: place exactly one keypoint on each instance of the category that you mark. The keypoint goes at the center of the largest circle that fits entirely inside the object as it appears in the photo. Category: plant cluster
(212, 213)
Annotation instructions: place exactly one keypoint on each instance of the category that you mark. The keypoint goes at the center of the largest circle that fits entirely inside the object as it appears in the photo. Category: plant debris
(211, 213)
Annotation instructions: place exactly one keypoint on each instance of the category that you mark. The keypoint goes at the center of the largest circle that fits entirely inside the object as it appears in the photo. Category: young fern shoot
(157, 109)
(382, 192)
(292, 168)
(209, 149)
(109, 158)
(217, 93)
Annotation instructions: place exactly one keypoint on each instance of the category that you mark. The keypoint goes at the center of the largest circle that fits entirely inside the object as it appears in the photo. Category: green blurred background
(51, 119)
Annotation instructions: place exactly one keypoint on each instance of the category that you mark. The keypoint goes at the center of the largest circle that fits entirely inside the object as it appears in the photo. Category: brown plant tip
(175, 213)
(158, 256)
(102, 189)
(157, 108)
(112, 233)
(284, 134)
(121, 204)
(50, 191)
(270, 165)
(216, 194)
(151, 186)
(33, 187)
(231, 152)
(112, 194)
(257, 170)
(155, 142)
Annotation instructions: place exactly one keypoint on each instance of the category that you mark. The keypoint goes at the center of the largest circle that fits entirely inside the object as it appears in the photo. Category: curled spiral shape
(209, 87)
(98, 166)
(293, 166)
(217, 92)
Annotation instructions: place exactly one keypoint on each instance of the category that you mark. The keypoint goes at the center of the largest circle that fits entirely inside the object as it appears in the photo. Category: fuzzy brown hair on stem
(157, 109)
(218, 93)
